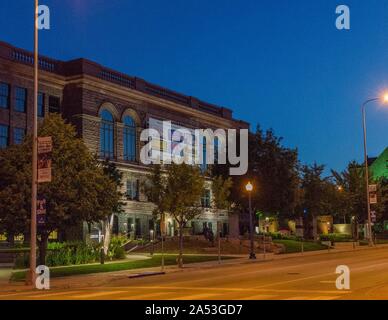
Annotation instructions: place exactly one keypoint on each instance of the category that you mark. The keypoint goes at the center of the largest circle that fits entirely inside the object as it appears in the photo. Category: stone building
(109, 109)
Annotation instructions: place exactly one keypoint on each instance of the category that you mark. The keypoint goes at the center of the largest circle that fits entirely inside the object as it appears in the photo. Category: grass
(293, 246)
(155, 261)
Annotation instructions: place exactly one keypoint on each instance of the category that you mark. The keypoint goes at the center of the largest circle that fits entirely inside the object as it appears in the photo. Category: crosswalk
(133, 294)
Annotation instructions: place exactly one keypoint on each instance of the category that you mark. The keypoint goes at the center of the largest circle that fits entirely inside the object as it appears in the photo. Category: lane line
(97, 294)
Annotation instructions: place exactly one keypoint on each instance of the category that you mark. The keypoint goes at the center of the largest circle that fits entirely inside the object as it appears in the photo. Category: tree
(115, 175)
(352, 181)
(79, 190)
(273, 170)
(177, 191)
(15, 184)
(316, 195)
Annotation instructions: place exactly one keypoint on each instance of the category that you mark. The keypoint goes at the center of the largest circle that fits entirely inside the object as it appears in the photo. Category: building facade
(109, 110)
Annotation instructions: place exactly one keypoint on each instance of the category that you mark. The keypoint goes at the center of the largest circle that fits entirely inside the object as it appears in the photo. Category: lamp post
(30, 280)
(385, 100)
(249, 188)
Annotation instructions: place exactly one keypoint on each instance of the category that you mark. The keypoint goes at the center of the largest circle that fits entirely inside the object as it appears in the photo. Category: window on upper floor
(41, 104)
(4, 95)
(205, 200)
(204, 155)
(132, 192)
(54, 104)
(20, 99)
(18, 135)
(129, 139)
(106, 135)
(4, 136)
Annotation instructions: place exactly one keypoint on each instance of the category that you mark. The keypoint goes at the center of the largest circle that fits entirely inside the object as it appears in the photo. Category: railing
(28, 58)
(166, 94)
(117, 77)
(60, 67)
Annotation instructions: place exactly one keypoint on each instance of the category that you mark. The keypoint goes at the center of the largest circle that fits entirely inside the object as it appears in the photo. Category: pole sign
(41, 210)
(373, 216)
(373, 194)
(45, 147)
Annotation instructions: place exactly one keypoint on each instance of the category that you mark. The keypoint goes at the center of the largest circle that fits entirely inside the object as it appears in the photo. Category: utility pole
(34, 187)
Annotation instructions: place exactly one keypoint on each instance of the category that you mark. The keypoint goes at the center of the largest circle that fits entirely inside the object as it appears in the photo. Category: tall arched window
(204, 155)
(129, 139)
(106, 135)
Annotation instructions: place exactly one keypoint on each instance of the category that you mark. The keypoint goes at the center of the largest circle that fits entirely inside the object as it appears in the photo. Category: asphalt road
(298, 278)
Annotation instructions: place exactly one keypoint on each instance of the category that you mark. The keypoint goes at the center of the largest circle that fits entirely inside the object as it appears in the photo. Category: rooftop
(85, 66)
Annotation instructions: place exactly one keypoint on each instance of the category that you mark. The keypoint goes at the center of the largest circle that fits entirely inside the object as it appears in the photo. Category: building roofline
(89, 67)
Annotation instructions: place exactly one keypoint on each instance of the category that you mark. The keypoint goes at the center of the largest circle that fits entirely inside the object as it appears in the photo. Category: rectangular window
(18, 135)
(4, 136)
(205, 200)
(54, 104)
(41, 104)
(4, 95)
(132, 189)
(20, 99)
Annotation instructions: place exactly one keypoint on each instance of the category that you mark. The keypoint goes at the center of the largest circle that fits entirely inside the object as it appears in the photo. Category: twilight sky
(281, 64)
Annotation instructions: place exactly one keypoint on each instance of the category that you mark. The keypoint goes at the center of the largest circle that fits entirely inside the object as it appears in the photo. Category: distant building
(109, 110)
(379, 166)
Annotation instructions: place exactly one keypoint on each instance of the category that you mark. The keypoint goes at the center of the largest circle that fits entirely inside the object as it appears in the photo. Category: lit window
(129, 139)
(205, 200)
(4, 95)
(106, 135)
(132, 189)
(20, 99)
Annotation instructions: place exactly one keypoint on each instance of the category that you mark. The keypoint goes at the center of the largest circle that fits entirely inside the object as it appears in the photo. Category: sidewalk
(98, 279)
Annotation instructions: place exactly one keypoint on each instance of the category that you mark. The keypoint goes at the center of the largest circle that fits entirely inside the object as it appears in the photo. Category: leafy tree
(352, 183)
(221, 190)
(79, 190)
(116, 176)
(177, 191)
(316, 195)
(15, 184)
(273, 170)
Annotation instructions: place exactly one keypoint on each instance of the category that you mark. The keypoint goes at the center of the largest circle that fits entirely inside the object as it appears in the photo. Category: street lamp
(384, 99)
(249, 188)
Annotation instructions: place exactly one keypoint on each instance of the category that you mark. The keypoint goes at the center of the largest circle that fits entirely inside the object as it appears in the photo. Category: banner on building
(45, 147)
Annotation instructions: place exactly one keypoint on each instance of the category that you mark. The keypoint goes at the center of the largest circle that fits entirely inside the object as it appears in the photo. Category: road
(297, 278)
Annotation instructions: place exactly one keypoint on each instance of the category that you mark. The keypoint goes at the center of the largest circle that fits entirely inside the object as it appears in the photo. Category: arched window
(216, 145)
(106, 135)
(129, 139)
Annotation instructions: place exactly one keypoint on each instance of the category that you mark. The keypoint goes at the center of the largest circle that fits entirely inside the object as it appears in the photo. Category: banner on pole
(41, 210)
(45, 147)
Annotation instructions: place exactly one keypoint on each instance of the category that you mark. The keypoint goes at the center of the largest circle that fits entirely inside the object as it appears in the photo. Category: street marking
(312, 298)
(200, 296)
(325, 298)
(241, 289)
(39, 295)
(146, 296)
(97, 294)
(258, 297)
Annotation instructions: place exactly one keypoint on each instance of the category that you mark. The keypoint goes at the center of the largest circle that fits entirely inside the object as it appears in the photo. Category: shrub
(336, 237)
(116, 249)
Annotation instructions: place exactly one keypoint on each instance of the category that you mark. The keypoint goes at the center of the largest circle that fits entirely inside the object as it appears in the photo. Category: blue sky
(281, 64)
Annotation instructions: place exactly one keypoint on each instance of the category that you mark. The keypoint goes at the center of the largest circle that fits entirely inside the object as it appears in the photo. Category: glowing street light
(249, 188)
(384, 100)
